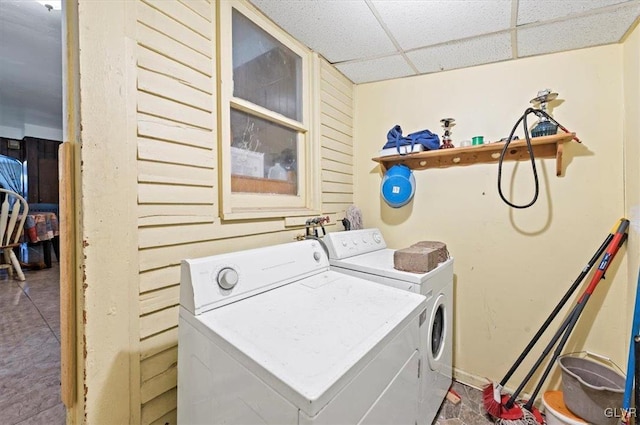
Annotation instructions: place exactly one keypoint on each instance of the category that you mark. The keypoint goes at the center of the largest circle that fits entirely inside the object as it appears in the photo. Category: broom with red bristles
(504, 407)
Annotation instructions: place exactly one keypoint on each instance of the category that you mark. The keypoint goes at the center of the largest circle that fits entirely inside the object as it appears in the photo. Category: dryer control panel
(211, 282)
(353, 242)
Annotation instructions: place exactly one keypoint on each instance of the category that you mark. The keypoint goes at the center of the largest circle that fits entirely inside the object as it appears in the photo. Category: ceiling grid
(425, 36)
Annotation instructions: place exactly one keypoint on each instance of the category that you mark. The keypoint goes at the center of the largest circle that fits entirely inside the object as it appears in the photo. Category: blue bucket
(398, 186)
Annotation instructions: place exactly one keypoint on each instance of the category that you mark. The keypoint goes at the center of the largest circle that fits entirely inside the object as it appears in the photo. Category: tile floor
(30, 349)
(469, 411)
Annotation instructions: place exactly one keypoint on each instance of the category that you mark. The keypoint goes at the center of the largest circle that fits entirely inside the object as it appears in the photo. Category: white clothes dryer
(364, 253)
(272, 336)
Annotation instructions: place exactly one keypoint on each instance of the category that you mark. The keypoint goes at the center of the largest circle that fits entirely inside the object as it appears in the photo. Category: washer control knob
(344, 243)
(227, 278)
(364, 240)
(377, 238)
(317, 256)
(355, 242)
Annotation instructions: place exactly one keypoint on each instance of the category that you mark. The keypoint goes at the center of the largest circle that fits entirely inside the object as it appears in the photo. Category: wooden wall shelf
(543, 147)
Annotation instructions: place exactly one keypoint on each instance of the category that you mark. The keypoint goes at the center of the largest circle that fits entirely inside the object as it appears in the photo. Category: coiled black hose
(523, 119)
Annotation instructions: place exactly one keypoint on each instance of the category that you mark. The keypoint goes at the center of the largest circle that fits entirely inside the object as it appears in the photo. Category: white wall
(16, 124)
(512, 266)
(631, 84)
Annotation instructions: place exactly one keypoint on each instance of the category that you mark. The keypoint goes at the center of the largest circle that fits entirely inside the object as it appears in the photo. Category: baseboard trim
(470, 379)
(479, 382)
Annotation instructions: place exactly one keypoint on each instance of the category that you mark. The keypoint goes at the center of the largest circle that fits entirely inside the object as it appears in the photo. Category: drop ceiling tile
(422, 23)
(376, 69)
(592, 30)
(460, 54)
(339, 30)
(537, 11)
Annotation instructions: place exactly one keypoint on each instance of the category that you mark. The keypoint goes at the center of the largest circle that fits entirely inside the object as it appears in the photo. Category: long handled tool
(492, 396)
(512, 414)
(637, 371)
(633, 359)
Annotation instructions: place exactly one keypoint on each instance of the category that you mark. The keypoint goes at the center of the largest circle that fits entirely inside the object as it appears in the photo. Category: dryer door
(439, 330)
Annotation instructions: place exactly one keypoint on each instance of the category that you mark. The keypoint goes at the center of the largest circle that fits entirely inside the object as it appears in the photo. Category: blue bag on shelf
(395, 139)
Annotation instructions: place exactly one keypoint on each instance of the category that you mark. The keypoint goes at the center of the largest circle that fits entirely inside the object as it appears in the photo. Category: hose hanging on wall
(523, 119)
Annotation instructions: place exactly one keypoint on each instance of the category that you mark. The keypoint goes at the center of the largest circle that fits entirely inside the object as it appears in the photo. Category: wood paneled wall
(178, 214)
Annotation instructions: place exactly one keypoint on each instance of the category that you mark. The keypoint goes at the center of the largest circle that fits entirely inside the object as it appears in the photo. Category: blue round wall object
(398, 186)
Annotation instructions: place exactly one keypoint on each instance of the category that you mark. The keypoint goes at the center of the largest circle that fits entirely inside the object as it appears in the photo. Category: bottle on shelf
(277, 172)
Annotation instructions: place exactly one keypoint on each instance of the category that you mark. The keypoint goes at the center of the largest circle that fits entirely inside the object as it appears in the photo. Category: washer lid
(311, 337)
(380, 263)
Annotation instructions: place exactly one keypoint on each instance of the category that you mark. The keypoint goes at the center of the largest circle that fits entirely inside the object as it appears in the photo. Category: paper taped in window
(247, 163)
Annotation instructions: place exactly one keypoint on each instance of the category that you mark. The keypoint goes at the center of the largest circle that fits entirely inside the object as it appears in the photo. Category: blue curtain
(11, 174)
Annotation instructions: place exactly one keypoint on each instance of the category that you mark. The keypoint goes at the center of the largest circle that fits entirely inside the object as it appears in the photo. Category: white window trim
(237, 206)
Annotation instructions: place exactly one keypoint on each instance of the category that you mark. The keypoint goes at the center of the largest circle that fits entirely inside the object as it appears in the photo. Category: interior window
(266, 139)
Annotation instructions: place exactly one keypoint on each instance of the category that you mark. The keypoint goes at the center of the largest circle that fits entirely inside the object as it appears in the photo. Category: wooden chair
(9, 232)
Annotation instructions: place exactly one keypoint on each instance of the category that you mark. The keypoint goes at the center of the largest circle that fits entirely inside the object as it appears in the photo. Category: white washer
(364, 253)
(272, 336)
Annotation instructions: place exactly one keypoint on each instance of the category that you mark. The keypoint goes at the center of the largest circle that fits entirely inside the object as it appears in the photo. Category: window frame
(237, 206)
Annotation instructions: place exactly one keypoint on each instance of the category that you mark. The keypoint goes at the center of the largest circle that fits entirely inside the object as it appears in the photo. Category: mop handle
(538, 362)
(559, 306)
(617, 241)
(575, 315)
(636, 342)
(611, 251)
(631, 361)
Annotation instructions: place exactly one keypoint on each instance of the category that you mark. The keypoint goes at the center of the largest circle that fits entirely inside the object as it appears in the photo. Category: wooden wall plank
(161, 107)
(239, 236)
(331, 133)
(172, 88)
(185, 16)
(336, 114)
(159, 342)
(202, 7)
(331, 187)
(337, 125)
(159, 384)
(162, 129)
(325, 97)
(336, 156)
(152, 211)
(160, 299)
(174, 153)
(336, 166)
(334, 78)
(149, 193)
(332, 176)
(150, 237)
(160, 172)
(160, 43)
(157, 364)
(167, 220)
(156, 408)
(335, 208)
(337, 198)
(170, 418)
(159, 278)
(153, 61)
(337, 94)
(158, 322)
(337, 146)
(150, 16)
(67, 275)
